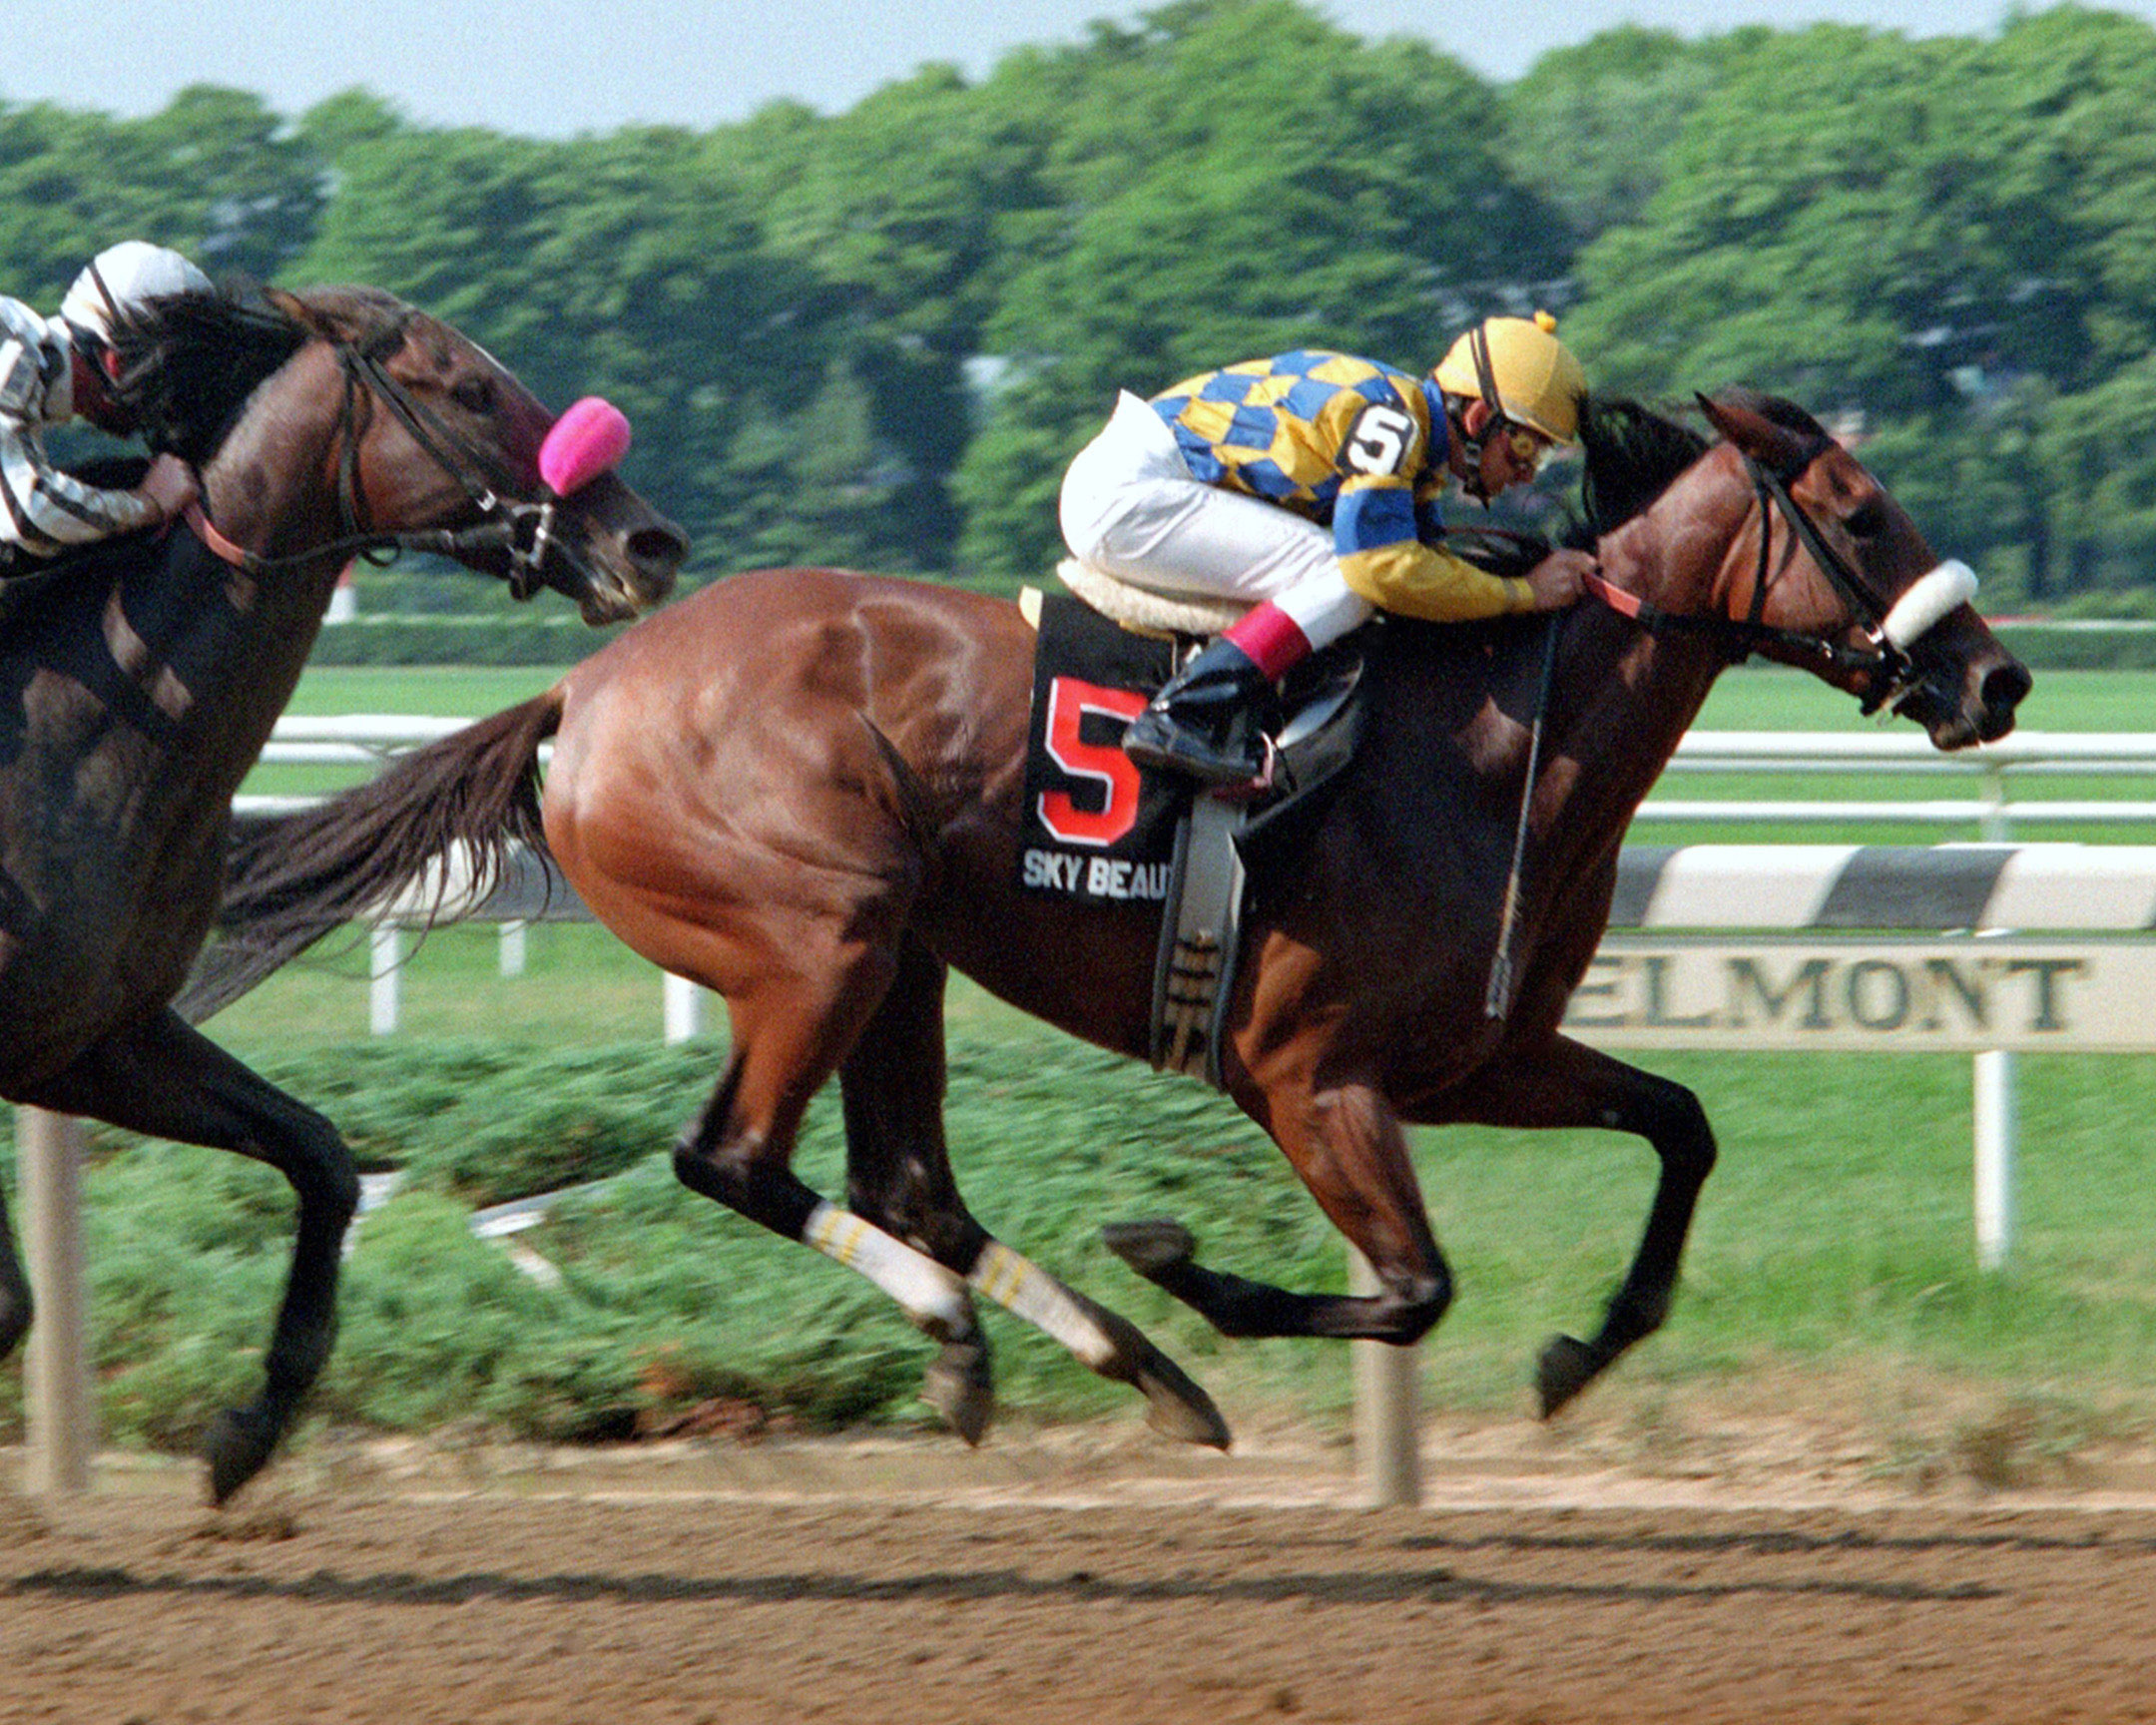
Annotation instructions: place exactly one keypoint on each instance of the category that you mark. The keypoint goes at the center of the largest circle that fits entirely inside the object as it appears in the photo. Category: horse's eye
(1867, 520)
(475, 393)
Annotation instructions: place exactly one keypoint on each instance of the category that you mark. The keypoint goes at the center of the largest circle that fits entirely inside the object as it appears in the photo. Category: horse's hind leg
(900, 1178)
(790, 1035)
(1566, 1084)
(165, 1079)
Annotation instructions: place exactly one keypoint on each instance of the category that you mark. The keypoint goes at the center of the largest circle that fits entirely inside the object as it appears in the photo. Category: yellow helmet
(1522, 370)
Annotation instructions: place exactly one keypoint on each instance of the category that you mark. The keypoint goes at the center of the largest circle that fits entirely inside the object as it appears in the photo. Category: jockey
(1309, 483)
(65, 367)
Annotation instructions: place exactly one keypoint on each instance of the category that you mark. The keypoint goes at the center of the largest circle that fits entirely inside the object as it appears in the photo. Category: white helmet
(121, 280)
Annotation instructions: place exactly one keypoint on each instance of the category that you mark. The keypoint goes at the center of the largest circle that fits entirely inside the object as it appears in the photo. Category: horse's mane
(190, 361)
(1632, 455)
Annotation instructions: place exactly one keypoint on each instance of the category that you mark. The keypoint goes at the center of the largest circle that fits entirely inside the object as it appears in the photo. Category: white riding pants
(1131, 507)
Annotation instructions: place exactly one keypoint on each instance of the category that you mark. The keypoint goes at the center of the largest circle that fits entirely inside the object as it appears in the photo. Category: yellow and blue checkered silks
(1351, 444)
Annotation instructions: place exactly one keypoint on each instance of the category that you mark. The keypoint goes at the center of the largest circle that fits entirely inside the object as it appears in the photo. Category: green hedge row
(1830, 1250)
(669, 1307)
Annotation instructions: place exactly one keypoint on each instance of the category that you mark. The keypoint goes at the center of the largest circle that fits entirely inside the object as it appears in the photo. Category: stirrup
(1212, 771)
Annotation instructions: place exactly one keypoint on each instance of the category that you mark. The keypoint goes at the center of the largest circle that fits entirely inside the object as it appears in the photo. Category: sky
(556, 68)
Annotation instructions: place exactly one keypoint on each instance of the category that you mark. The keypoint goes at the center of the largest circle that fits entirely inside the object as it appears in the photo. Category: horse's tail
(447, 819)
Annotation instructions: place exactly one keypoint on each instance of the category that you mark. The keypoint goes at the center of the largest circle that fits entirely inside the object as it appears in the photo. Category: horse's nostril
(656, 548)
(2006, 688)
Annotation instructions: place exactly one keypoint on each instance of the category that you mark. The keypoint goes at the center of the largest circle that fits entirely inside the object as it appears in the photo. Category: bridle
(1889, 629)
(525, 531)
(1889, 626)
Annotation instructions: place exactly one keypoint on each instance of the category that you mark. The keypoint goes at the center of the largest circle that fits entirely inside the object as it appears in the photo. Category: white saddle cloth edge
(1143, 610)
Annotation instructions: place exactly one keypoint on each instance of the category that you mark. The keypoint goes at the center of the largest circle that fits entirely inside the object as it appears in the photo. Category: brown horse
(803, 788)
(138, 684)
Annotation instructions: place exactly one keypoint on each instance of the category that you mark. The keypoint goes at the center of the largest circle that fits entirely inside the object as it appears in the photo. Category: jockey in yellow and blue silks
(1309, 483)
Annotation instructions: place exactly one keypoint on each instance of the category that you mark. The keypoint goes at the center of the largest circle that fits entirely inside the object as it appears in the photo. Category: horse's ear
(1778, 448)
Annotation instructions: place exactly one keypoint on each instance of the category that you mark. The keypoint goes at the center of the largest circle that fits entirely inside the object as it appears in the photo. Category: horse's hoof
(1175, 1406)
(1153, 1249)
(239, 1444)
(959, 1384)
(1566, 1367)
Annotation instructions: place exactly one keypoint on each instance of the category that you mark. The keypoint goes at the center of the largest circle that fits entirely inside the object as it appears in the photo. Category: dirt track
(866, 1583)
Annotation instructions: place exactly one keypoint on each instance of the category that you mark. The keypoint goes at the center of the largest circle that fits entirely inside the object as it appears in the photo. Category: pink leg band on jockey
(1274, 640)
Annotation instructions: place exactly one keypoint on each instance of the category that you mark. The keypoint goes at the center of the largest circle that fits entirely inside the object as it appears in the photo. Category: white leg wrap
(1026, 1291)
(928, 1292)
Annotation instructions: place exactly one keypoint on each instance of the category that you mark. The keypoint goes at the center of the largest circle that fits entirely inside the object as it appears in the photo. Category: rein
(1881, 656)
(524, 530)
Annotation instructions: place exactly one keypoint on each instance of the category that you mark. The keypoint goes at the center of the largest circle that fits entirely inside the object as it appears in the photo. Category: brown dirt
(1077, 1579)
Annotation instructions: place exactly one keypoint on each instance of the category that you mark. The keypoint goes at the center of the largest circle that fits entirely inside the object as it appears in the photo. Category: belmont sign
(1905, 997)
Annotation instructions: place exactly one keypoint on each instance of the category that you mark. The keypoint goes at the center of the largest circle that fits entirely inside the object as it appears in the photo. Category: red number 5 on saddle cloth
(1096, 828)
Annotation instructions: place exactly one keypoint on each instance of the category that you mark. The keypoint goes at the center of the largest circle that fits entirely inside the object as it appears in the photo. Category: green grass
(446, 691)
(1831, 1275)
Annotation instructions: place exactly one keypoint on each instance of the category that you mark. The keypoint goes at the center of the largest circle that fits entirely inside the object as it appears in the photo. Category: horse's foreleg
(165, 1079)
(1346, 1143)
(899, 1176)
(1566, 1084)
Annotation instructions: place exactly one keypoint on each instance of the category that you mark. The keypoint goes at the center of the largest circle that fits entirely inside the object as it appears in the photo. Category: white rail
(366, 740)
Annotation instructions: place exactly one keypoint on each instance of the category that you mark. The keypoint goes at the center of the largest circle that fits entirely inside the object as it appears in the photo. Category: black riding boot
(1206, 722)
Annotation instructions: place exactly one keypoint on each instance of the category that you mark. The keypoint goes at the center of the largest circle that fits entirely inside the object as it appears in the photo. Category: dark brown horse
(138, 684)
(802, 788)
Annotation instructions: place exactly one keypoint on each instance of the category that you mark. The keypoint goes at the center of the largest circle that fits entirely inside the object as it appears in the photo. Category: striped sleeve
(42, 508)
(45, 510)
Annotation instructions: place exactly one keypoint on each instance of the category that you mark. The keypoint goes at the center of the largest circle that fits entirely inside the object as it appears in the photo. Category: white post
(386, 967)
(684, 1008)
(1994, 1132)
(1992, 1105)
(512, 946)
(1387, 1459)
(61, 1394)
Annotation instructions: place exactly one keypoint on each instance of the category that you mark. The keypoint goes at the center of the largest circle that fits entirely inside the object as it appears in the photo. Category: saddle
(1150, 838)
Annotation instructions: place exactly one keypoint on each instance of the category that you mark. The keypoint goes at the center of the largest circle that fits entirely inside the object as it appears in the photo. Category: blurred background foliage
(874, 338)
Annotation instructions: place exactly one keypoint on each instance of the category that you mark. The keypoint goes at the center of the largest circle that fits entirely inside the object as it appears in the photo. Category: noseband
(1889, 626)
(507, 524)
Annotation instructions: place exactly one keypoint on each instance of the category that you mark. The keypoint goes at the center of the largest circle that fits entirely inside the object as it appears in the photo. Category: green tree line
(874, 338)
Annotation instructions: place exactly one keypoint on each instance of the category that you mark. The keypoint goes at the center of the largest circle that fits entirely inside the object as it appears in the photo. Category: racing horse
(803, 788)
(138, 684)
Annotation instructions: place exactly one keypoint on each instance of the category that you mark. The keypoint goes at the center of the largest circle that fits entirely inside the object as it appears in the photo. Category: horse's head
(1837, 579)
(432, 442)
